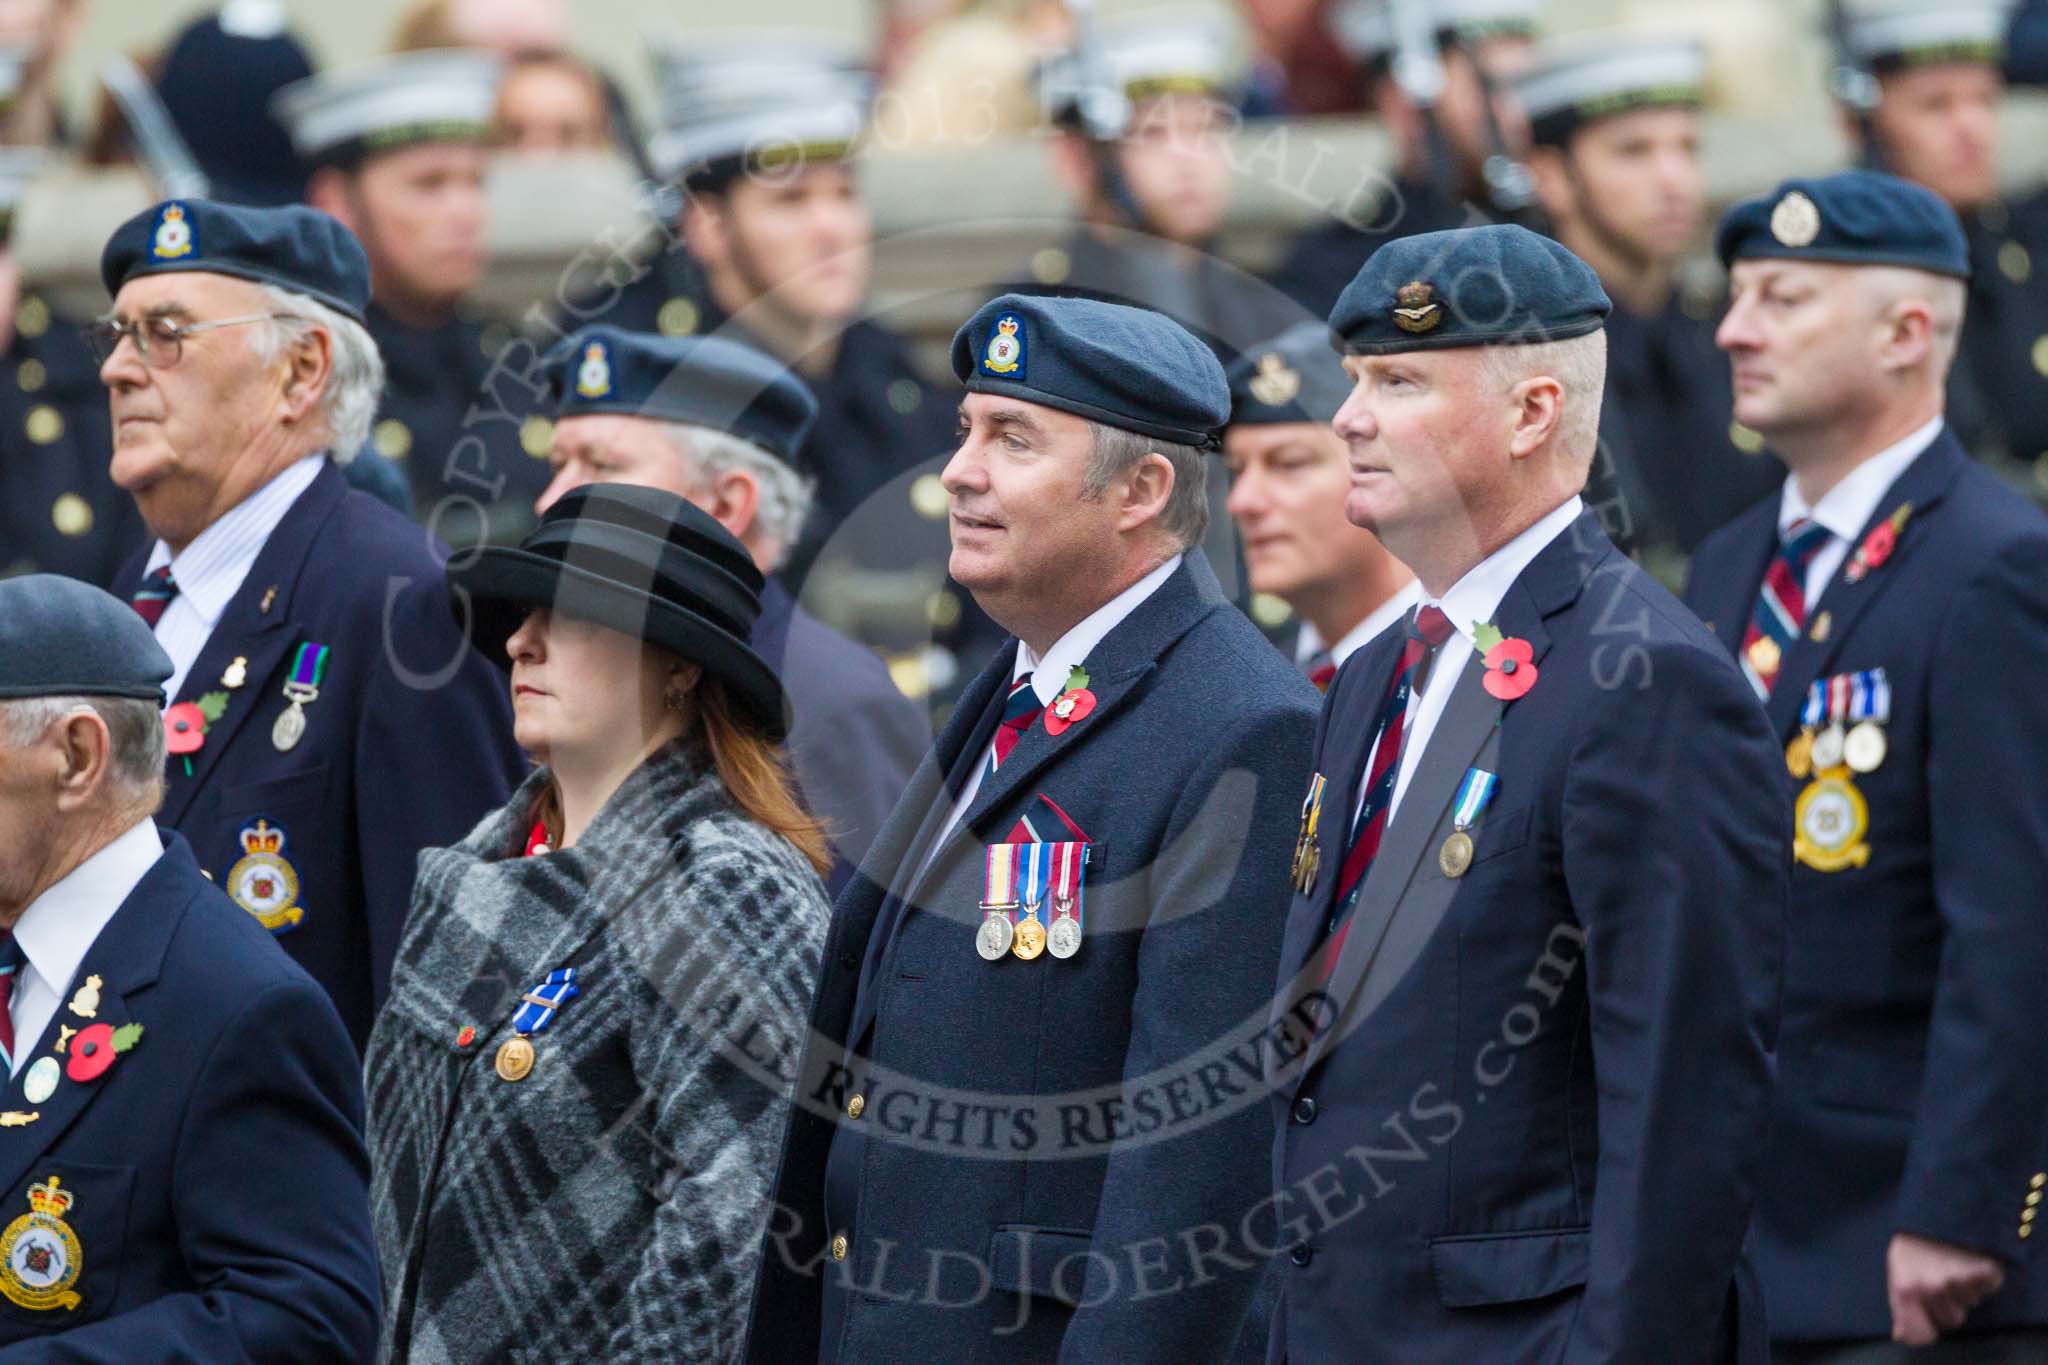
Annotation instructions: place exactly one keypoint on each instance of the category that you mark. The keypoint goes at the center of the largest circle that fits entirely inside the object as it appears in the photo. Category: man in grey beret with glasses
(181, 1157)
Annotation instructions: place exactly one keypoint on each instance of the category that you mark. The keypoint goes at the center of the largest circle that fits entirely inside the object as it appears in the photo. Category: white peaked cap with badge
(726, 99)
(1365, 28)
(1153, 52)
(438, 95)
(1881, 31)
(1588, 75)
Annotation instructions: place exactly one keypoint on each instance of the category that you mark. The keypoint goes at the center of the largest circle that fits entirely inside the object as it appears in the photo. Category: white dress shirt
(1308, 643)
(1471, 600)
(1049, 675)
(1849, 505)
(60, 925)
(209, 571)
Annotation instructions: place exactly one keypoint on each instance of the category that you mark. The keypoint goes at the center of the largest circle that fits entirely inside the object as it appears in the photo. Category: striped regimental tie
(154, 595)
(1780, 605)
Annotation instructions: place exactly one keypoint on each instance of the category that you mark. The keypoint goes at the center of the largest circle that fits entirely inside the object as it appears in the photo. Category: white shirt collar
(210, 570)
(1850, 504)
(60, 925)
(1049, 675)
(1477, 596)
(1378, 619)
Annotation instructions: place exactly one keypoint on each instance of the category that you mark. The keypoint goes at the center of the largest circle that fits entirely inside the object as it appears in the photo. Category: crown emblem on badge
(173, 237)
(1276, 382)
(1005, 354)
(46, 1198)
(594, 375)
(1795, 222)
(262, 838)
(1416, 309)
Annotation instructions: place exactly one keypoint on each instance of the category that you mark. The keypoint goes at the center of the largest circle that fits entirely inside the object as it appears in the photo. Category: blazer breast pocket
(1496, 836)
(308, 788)
(61, 1248)
(1050, 1263)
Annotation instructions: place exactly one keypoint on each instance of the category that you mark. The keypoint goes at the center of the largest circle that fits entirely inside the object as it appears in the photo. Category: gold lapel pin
(269, 596)
(1822, 624)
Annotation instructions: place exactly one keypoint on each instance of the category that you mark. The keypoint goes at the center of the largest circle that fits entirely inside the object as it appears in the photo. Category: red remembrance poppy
(467, 1036)
(184, 728)
(1067, 708)
(92, 1052)
(1879, 544)
(1510, 669)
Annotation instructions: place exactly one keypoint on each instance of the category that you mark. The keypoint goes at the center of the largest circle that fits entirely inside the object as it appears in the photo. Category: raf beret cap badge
(594, 375)
(1795, 222)
(1416, 309)
(173, 235)
(1276, 382)
(1005, 354)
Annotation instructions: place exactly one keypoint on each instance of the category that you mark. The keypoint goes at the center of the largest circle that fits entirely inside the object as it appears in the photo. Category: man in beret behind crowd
(1540, 878)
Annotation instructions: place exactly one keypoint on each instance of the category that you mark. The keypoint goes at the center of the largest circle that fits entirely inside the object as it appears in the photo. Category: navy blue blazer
(854, 739)
(1043, 1123)
(407, 747)
(1913, 1069)
(219, 1187)
(1532, 1133)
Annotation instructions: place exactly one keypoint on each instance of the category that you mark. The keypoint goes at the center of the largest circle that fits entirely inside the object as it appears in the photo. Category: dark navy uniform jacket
(1998, 389)
(1534, 1132)
(1322, 259)
(1668, 425)
(218, 1179)
(1029, 1130)
(408, 745)
(453, 434)
(59, 509)
(1913, 1066)
(854, 739)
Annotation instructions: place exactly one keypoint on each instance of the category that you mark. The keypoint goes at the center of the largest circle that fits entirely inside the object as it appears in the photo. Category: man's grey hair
(135, 731)
(785, 498)
(356, 383)
(1579, 365)
(1112, 450)
(1887, 286)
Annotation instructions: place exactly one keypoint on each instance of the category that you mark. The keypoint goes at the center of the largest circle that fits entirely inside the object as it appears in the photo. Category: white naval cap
(1924, 32)
(1136, 58)
(1589, 76)
(1366, 28)
(762, 102)
(443, 95)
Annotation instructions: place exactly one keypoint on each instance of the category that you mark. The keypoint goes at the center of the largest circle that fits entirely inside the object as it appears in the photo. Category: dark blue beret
(294, 247)
(63, 638)
(1498, 285)
(1130, 368)
(1295, 377)
(1849, 218)
(705, 381)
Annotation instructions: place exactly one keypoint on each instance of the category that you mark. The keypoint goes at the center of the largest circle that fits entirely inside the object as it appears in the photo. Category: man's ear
(329, 191)
(1539, 407)
(1553, 183)
(735, 498)
(1147, 486)
(309, 369)
(1908, 334)
(707, 231)
(1073, 165)
(84, 753)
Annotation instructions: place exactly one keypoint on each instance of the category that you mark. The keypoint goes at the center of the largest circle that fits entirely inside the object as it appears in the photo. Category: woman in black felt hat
(578, 1083)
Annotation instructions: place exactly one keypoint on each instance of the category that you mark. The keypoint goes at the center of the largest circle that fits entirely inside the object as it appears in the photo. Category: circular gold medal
(1456, 855)
(515, 1058)
(992, 940)
(1030, 938)
(1799, 754)
(1864, 749)
(1764, 654)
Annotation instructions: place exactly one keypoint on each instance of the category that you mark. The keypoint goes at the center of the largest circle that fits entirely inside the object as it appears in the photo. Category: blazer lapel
(126, 958)
(257, 627)
(1922, 484)
(1729, 618)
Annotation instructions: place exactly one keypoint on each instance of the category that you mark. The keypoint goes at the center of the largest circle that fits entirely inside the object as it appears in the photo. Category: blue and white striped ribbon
(1869, 698)
(1037, 861)
(1473, 794)
(545, 1000)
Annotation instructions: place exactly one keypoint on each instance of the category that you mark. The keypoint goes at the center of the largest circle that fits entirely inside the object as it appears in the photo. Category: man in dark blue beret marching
(1890, 608)
(1539, 877)
(1017, 1136)
(330, 720)
(182, 1174)
(720, 424)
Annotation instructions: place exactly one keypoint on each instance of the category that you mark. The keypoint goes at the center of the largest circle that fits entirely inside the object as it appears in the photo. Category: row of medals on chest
(1860, 748)
(1028, 937)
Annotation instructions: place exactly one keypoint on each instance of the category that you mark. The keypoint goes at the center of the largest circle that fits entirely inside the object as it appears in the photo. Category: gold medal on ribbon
(515, 1058)
(1030, 937)
(1799, 754)
(1455, 857)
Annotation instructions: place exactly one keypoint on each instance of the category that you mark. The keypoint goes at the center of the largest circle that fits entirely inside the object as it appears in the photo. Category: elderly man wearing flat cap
(182, 1172)
(1890, 608)
(1017, 1136)
(1540, 881)
(720, 424)
(329, 719)
(1289, 473)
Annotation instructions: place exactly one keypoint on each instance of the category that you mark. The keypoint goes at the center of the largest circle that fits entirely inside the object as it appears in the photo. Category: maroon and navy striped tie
(1019, 711)
(1780, 612)
(10, 967)
(154, 595)
(1427, 630)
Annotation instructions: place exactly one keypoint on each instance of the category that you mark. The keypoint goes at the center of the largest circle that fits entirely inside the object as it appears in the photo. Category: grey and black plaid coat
(610, 1205)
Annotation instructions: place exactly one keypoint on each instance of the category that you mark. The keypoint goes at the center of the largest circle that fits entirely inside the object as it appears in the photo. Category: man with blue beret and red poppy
(1539, 881)
(1889, 607)
(1034, 1062)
